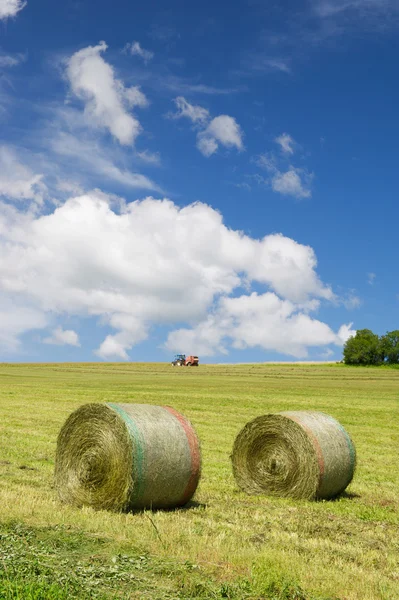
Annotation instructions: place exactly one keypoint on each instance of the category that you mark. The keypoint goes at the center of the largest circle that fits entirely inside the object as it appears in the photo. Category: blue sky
(218, 180)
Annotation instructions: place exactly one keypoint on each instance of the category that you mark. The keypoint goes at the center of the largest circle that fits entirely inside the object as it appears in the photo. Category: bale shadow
(342, 496)
(191, 505)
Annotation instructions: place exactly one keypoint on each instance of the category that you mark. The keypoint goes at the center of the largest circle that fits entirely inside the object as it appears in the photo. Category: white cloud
(179, 85)
(291, 182)
(63, 337)
(111, 347)
(294, 182)
(196, 114)
(264, 321)
(279, 64)
(351, 301)
(15, 320)
(327, 354)
(222, 130)
(203, 340)
(10, 60)
(151, 158)
(17, 181)
(135, 49)
(106, 99)
(123, 263)
(71, 188)
(226, 131)
(371, 278)
(135, 97)
(10, 8)
(261, 64)
(345, 332)
(286, 143)
(83, 158)
(329, 8)
(207, 145)
(325, 8)
(132, 331)
(243, 186)
(89, 153)
(267, 162)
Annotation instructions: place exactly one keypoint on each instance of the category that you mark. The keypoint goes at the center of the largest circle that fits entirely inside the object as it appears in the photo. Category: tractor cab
(179, 360)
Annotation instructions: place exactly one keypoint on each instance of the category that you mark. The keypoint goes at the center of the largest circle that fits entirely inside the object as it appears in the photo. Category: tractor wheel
(178, 364)
(188, 365)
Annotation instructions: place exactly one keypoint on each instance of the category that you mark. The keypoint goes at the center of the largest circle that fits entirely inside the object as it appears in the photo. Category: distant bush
(390, 347)
(367, 348)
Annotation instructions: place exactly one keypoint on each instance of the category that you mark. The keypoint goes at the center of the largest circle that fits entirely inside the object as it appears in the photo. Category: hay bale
(127, 456)
(298, 454)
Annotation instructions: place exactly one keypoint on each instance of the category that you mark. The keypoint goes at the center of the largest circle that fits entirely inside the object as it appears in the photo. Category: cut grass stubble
(226, 543)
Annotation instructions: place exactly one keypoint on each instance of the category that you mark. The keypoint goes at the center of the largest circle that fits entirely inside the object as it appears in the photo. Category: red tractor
(181, 360)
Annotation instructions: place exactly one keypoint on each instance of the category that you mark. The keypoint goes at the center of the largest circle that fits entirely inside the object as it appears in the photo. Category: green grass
(225, 544)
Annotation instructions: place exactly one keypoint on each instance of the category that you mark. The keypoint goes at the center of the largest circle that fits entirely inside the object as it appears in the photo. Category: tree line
(367, 348)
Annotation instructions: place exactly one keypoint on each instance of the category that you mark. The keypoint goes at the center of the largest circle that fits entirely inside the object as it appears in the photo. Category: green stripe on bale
(136, 490)
(127, 456)
(298, 454)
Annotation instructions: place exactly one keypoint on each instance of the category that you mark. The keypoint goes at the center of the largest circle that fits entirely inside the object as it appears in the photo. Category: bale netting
(123, 457)
(298, 454)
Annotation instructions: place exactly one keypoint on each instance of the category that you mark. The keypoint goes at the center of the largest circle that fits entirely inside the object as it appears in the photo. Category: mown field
(225, 544)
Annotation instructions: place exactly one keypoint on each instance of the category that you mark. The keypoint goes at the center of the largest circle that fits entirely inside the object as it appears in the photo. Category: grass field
(225, 544)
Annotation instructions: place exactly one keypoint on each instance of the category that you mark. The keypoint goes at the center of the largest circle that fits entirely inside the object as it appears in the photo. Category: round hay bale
(298, 454)
(127, 456)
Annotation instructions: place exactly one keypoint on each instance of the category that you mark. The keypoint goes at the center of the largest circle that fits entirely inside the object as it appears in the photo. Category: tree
(390, 347)
(364, 348)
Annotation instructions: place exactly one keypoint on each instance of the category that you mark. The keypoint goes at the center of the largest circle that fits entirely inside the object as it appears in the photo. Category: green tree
(363, 349)
(390, 347)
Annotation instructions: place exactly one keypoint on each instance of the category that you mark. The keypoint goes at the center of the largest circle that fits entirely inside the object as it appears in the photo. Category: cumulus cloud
(63, 337)
(135, 49)
(112, 347)
(286, 143)
(294, 182)
(196, 114)
(207, 145)
(263, 321)
(132, 330)
(17, 181)
(123, 263)
(17, 318)
(106, 99)
(222, 130)
(345, 332)
(10, 8)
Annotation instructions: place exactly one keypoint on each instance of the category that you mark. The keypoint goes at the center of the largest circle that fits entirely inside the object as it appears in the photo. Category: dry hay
(298, 454)
(127, 456)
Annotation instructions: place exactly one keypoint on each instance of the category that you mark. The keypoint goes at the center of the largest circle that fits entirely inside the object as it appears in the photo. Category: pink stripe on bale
(195, 454)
